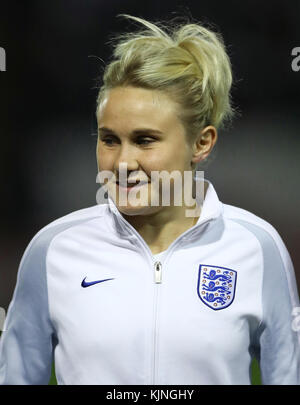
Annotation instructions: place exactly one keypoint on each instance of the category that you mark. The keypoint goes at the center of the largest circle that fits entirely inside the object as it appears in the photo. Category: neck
(162, 227)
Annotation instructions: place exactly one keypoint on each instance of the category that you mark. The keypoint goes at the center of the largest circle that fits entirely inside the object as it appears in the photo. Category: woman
(132, 292)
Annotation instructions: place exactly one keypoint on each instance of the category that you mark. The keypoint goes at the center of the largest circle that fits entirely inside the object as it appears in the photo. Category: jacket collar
(211, 208)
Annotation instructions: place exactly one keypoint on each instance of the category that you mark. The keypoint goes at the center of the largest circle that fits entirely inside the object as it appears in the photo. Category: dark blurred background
(47, 104)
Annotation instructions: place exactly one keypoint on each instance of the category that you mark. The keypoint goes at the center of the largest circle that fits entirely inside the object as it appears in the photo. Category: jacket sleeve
(278, 340)
(26, 344)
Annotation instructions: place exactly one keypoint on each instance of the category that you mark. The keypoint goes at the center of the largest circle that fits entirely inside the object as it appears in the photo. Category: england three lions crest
(216, 286)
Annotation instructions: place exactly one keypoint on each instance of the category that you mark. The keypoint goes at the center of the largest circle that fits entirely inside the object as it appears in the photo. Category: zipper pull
(157, 272)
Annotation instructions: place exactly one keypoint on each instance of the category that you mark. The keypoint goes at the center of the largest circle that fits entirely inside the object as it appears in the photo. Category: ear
(204, 144)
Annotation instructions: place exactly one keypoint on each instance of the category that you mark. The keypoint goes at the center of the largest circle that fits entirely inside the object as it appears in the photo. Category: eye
(144, 141)
(108, 141)
(140, 141)
(111, 140)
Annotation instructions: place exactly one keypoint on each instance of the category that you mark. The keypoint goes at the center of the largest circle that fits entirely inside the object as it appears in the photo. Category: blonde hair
(185, 60)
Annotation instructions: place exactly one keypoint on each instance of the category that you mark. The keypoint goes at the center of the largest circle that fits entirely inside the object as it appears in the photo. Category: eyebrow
(134, 132)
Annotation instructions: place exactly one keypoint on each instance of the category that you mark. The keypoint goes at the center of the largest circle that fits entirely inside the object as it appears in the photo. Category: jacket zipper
(157, 272)
(157, 276)
(157, 281)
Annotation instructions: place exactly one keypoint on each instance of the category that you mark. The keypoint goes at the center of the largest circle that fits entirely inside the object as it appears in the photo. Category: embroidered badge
(216, 286)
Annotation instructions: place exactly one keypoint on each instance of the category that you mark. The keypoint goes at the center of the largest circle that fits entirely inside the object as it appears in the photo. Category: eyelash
(148, 141)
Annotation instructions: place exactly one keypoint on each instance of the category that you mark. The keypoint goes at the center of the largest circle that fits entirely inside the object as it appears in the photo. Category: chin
(132, 210)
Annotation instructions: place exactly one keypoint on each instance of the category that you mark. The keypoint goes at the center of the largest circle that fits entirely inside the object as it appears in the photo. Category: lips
(131, 184)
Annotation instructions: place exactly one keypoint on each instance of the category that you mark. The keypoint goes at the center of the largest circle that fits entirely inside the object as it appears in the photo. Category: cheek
(105, 160)
(155, 162)
(169, 159)
(152, 162)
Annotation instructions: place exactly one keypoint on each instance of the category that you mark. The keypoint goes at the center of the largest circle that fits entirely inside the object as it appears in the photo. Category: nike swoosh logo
(89, 283)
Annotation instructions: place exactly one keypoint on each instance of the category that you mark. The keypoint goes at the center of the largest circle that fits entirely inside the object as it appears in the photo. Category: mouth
(129, 186)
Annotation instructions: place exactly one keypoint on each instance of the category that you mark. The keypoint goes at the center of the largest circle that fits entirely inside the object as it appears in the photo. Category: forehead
(136, 106)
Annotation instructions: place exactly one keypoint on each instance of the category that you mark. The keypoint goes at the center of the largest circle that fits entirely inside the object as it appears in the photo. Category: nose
(126, 159)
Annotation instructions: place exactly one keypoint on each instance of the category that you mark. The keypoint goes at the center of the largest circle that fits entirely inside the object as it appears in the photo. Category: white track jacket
(91, 296)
